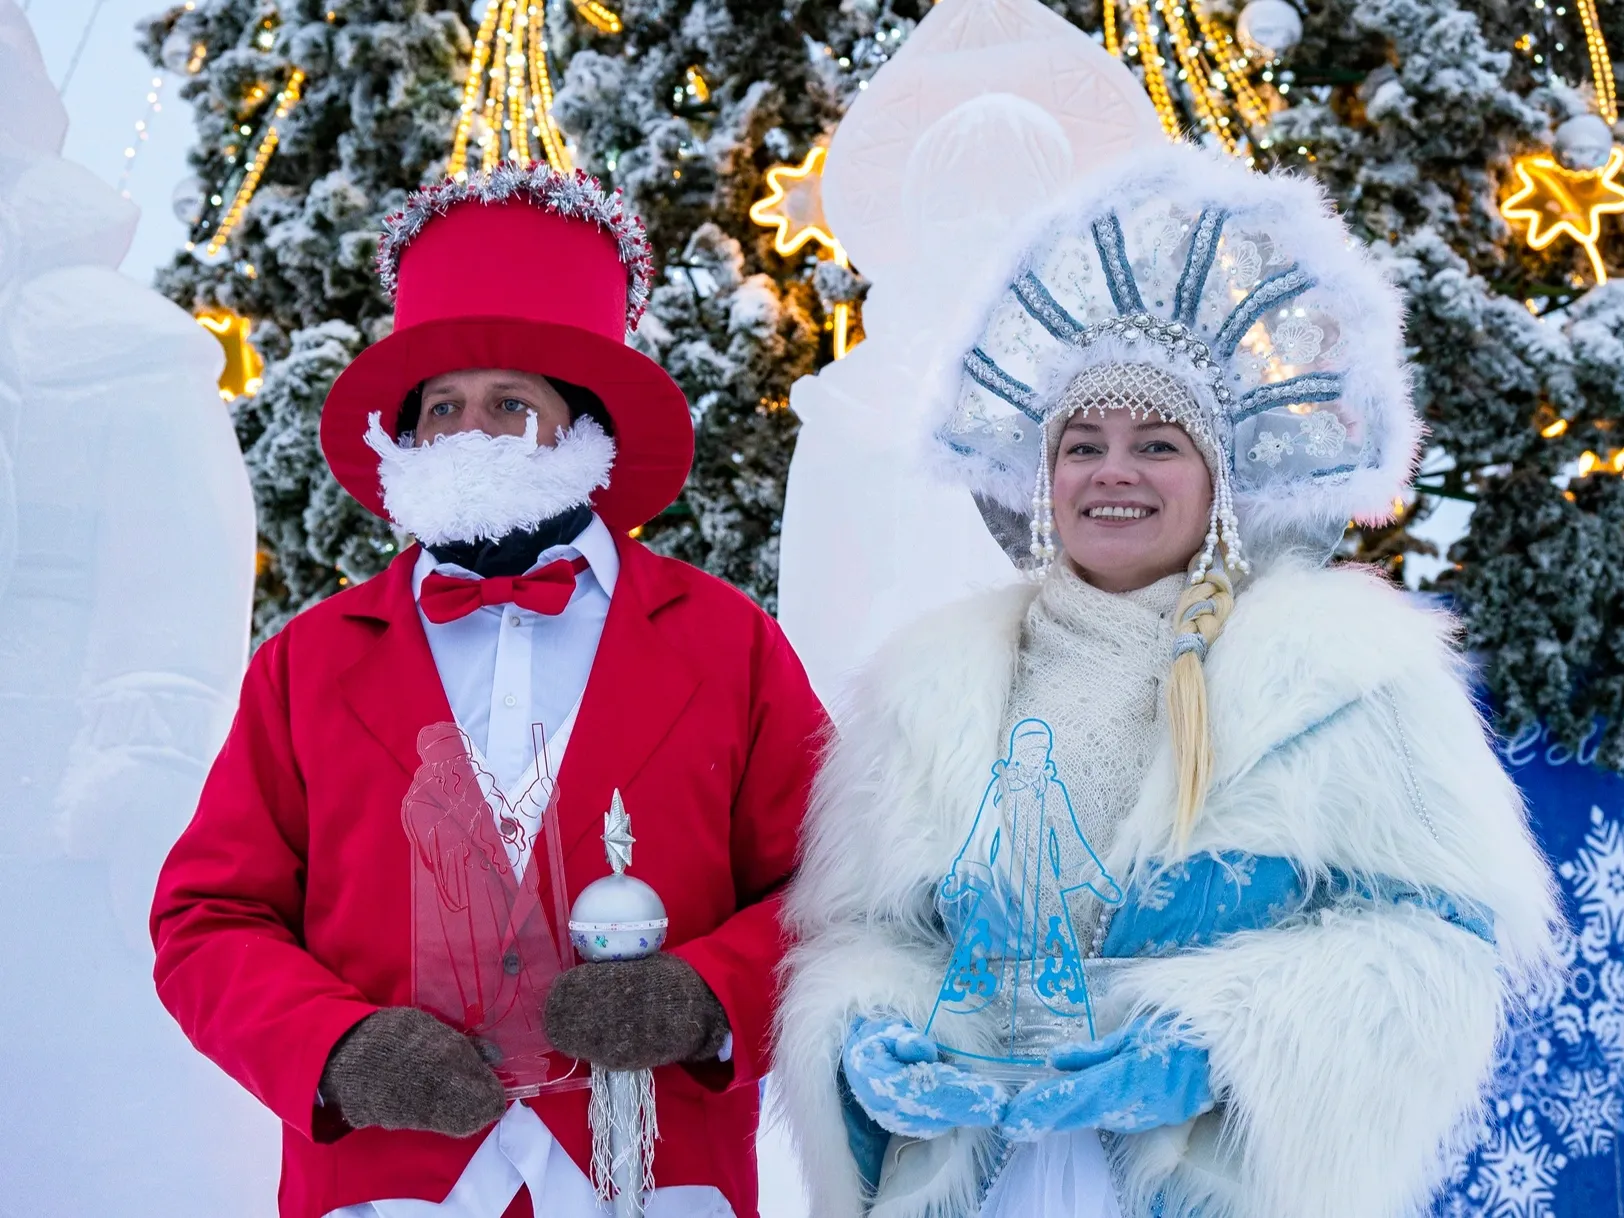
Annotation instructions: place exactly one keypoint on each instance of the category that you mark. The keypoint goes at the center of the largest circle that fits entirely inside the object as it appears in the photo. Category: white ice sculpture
(126, 577)
(990, 108)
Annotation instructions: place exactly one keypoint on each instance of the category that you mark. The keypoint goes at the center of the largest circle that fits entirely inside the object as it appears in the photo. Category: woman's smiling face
(1132, 497)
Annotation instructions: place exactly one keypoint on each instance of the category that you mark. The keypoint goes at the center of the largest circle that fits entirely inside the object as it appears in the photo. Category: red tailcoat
(282, 915)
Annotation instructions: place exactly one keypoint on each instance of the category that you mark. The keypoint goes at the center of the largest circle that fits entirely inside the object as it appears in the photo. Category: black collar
(515, 553)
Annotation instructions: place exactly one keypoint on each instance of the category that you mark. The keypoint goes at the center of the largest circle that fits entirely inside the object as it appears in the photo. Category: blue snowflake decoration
(1550, 1147)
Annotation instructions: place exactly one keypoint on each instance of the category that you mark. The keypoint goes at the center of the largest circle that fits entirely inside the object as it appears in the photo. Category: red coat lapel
(638, 687)
(394, 688)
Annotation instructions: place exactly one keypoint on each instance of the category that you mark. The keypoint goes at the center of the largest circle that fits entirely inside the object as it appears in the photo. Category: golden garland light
(507, 99)
(1555, 201)
(1188, 57)
(599, 16)
(1592, 463)
(285, 101)
(793, 207)
(1601, 63)
(244, 370)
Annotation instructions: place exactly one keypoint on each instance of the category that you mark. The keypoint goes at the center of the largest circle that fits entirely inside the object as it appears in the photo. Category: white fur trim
(1350, 1049)
(1350, 1053)
(470, 485)
(863, 915)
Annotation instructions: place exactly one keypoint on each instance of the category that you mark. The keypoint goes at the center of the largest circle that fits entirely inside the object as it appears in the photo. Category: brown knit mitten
(635, 1014)
(401, 1068)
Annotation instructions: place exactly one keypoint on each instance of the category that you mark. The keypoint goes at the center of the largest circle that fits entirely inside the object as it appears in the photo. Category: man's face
(492, 400)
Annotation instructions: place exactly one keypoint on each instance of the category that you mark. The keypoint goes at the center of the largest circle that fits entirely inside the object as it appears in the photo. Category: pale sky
(106, 97)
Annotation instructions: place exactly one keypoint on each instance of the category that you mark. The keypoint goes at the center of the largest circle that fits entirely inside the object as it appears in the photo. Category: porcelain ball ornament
(1583, 142)
(1270, 28)
(617, 917)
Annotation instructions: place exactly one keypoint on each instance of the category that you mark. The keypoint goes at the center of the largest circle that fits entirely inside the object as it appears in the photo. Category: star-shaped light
(245, 370)
(793, 206)
(617, 835)
(1558, 202)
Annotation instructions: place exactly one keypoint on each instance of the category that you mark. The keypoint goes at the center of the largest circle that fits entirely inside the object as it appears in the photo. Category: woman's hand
(897, 1075)
(1140, 1077)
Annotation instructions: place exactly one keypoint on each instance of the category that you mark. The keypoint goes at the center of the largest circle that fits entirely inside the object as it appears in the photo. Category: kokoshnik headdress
(1234, 303)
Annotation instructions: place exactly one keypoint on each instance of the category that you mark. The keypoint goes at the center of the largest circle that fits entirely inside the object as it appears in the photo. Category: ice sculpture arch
(989, 110)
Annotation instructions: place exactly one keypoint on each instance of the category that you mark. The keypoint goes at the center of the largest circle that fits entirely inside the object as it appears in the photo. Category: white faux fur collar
(1331, 636)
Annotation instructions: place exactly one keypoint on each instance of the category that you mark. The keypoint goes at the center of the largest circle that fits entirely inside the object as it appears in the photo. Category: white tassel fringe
(624, 1130)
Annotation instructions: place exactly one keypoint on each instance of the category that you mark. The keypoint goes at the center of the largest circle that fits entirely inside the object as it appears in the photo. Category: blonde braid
(1200, 616)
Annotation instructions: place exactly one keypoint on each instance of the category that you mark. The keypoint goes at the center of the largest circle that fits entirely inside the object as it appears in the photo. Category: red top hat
(528, 269)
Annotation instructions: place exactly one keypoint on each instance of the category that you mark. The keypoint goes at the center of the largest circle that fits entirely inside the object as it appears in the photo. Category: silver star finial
(617, 835)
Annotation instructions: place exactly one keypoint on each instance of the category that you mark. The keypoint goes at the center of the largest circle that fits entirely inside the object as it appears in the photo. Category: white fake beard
(470, 485)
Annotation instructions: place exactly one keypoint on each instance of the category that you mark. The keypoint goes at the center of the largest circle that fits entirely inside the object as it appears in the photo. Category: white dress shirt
(512, 676)
(514, 680)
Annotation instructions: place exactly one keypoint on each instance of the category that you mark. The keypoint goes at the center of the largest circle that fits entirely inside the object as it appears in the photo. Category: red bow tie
(445, 598)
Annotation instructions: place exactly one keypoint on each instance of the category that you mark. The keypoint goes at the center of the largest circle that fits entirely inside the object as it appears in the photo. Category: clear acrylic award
(485, 950)
(1023, 882)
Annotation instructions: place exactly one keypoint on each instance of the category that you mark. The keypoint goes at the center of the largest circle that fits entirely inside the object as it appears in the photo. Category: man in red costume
(414, 788)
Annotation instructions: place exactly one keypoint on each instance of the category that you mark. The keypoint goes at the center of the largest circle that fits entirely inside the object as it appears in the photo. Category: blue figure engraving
(1008, 904)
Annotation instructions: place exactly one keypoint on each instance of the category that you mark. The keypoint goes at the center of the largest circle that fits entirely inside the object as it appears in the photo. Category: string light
(696, 85)
(1213, 67)
(1254, 111)
(457, 166)
(1555, 201)
(541, 86)
(285, 101)
(793, 207)
(599, 16)
(1155, 78)
(1601, 64)
(142, 128)
(1591, 463)
(509, 65)
(1195, 74)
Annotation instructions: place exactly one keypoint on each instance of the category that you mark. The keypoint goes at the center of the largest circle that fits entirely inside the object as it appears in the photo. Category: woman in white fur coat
(1252, 792)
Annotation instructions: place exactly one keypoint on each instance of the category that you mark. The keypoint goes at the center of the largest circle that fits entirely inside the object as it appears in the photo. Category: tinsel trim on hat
(578, 196)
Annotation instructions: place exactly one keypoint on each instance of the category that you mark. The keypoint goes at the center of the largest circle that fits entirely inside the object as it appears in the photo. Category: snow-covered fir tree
(378, 98)
(1410, 111)
(685, 109)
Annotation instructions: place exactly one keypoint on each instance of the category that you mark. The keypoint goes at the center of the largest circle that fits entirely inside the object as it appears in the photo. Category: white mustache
(471, 485)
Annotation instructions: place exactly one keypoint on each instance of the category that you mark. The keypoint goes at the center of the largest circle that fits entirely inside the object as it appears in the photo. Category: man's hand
(635, 1014)
(401, 1068)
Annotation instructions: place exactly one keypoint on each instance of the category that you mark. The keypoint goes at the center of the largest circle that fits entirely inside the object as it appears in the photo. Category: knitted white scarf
(1092, 665)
